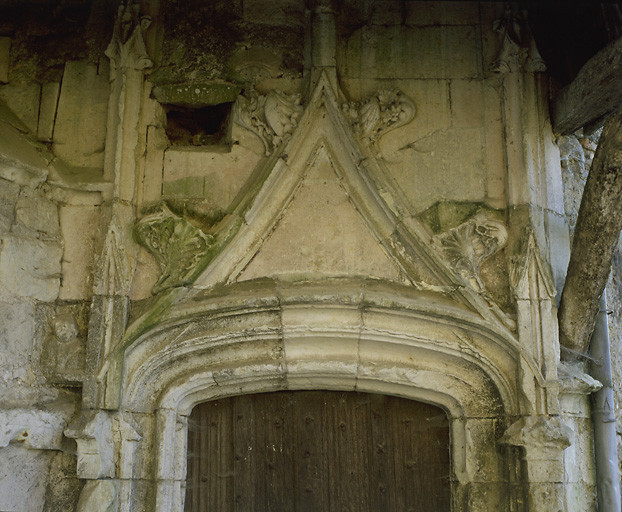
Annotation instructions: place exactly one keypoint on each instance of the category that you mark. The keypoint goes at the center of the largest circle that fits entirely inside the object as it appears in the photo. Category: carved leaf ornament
(468, 245)
(377, 115)
(175, 243)
(272, 117)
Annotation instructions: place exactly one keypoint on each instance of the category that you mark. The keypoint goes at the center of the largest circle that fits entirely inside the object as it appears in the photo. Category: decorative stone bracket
(176, 244)
(379, 114)
(468, 245)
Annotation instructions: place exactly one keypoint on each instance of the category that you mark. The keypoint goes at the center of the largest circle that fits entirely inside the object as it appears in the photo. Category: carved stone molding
(176, 244)
(377, 115)
(272, 117)
(468, 245)
(127, 48)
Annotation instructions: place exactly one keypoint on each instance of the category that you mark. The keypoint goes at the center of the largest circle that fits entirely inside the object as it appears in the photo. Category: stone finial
(176, 244)
(127, 48)
(272, 117)
(517, 47)
(379, 114)
(468, 245)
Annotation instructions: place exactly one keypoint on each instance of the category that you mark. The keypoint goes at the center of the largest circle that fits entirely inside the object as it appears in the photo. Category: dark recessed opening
(198, 126)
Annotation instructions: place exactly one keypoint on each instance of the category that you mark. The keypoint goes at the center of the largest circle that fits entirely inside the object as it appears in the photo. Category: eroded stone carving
(176, 244)
(272, 117)
(63, 352)
(379, 114)
(468, 245)
(127, 48)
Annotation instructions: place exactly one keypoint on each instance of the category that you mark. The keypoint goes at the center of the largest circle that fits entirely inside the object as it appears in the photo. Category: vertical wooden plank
(245, 453)
(279, 473)
(310, 453)
(350, 486)
(219, 457)
(382, 462)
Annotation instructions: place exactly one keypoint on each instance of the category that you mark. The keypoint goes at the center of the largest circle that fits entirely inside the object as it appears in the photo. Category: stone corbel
(544, 439)
(468, 245)
(271, 117)
(379, 114)
(573, 381)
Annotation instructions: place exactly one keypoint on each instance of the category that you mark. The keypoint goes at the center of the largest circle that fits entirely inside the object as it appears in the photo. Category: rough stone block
(17, 331)
(23, 474)
(483, 460)
(37, 214)
(80, 129)
(31, 268)
(22, 161)
(23, 100)
(493, 145)
(9, 193)
(80, 228)
(467, 103)
(147, 274)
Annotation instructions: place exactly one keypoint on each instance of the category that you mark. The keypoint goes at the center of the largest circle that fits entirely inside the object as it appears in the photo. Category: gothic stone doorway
(317, 451)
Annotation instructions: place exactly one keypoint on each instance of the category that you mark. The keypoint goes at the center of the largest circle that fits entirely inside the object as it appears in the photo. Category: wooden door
(317, 451)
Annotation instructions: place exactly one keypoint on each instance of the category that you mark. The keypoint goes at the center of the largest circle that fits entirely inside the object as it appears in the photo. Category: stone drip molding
(377, 115)
(471, 243)
(177, 245)
(272, 117)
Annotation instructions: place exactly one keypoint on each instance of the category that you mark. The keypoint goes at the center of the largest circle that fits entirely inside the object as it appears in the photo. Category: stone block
(467, 103)
(429, 168)
(484, 462)
(387, 12)
(441, 13)
(22, 160)
(38, 214)
(9, 193)
(580, 497)
(146, 276)
(31, 268)
(23, 100)
(80, 129)
(579, 456)
(393, 52)
(217, 176)
(23, 475)
(80, 228)
(47, 112)
(5, 48)
(287, 13)
(17, 331)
